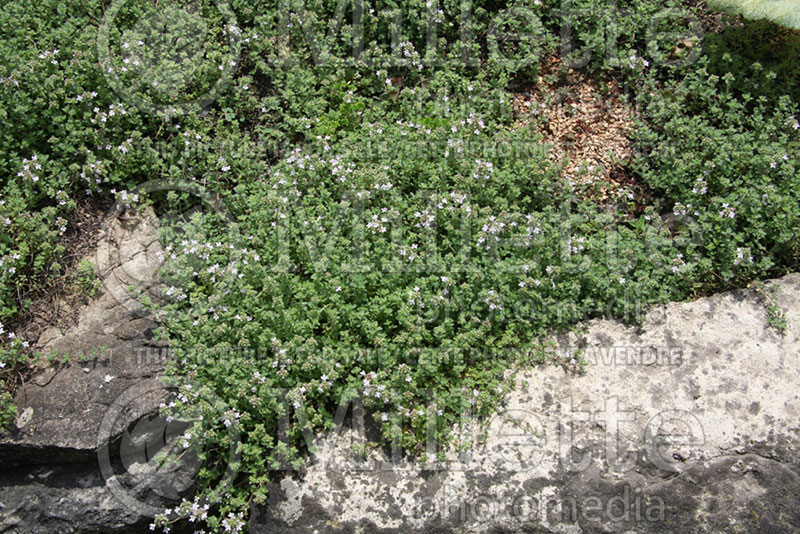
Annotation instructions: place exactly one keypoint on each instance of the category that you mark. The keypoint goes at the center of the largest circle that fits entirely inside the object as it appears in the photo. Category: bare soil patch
(587, 123)
(57, 303)
(54, 305)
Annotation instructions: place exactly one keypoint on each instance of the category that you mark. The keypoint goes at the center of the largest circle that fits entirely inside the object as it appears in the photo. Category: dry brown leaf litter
(588, 130)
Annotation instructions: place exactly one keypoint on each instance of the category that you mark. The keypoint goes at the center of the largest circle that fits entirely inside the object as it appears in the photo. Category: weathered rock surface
(689, 424)
(50, 481)
(61, 407)
(62, 498)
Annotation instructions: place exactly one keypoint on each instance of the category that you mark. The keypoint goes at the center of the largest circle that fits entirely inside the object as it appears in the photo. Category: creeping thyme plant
(391, 229)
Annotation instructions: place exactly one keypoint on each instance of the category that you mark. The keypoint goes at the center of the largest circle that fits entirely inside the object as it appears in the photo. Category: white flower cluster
(125, 197)
(50, 54)
(93, 173)
(230, 417)
(11, 270)
(742, 255)
(375, 390)
(410, 56)
(425, 219)
(197, 511)
(452, 201)
(378, 222)
(62, 197)
(634, 61)
(385, 186)
(30, 168)
(490, 232)
(193, 510)
(103, 116)
(415, 299)
(483, 170)
(727, 211)
(678, 263)
(129, 58)
(575, 245)
(409, 252)
(234, 522)
(493, 300)
(679, 209)
(175, 293)
(700, 186)
(126, 146)
(532, 230)
(85, 96)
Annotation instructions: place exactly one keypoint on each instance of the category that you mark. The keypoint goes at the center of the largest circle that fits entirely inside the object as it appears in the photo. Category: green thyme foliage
(722, 149)
(776, 49)
(74, 82)
(776, 318)
(394, 233)
(409, 262)
(87, 282)
(8, 410)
